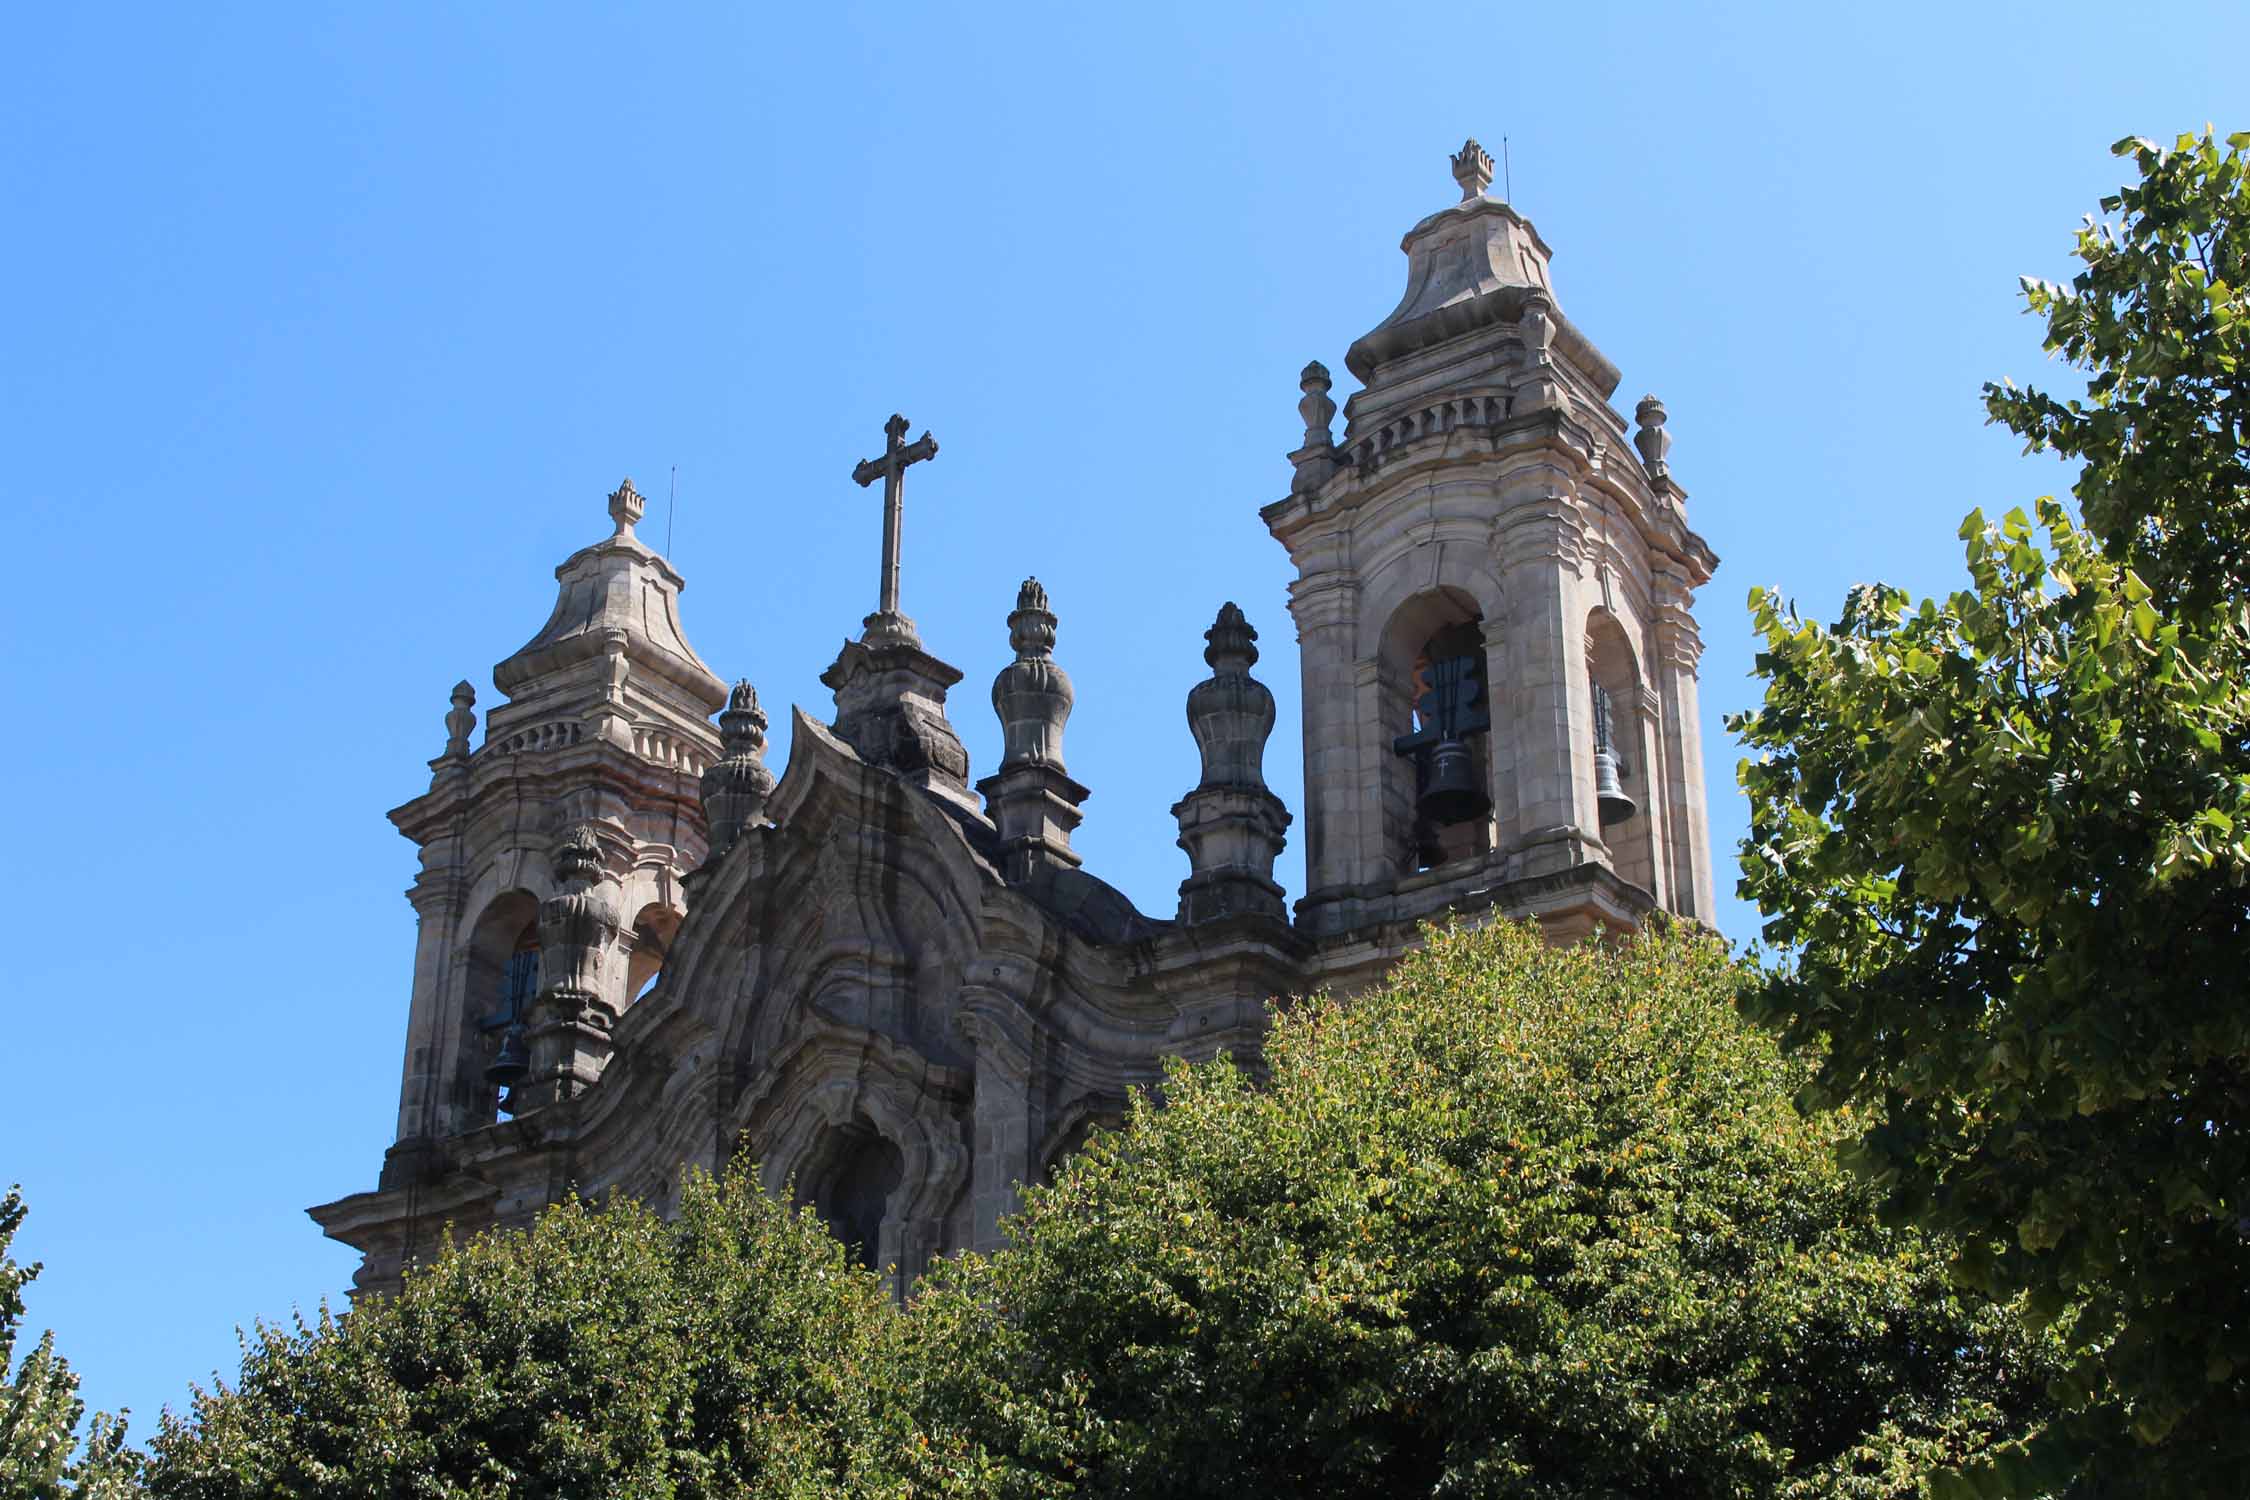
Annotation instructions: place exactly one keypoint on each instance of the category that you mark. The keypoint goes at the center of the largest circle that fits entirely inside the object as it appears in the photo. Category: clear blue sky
(326, 329)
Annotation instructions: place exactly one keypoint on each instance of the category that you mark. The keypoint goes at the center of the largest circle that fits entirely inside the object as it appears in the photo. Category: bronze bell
(1450, 793)
(1609, 794)
(508, 1068)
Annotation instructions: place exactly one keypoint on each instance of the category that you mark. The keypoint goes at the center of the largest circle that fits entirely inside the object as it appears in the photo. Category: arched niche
(1614, 676)
(500, 980)
(653, 930)
(1080, 1124)
(851, 1178)
(1441, 624)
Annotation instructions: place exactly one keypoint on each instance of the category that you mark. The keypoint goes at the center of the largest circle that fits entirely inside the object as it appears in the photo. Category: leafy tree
(2003, 836)
(39, 1405)
(1526, 1222)
(733, 1352)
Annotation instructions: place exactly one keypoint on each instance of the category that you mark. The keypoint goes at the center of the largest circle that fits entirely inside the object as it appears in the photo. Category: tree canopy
(2002, 837)
(41, 1457)
(733, 1352)
(1525, 1221)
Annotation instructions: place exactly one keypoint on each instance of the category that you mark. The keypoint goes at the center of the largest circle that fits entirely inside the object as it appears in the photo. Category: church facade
(641, 950)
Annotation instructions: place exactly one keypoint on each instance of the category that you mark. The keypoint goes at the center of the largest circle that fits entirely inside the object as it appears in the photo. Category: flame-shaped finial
(1472, 168)
(626, 506)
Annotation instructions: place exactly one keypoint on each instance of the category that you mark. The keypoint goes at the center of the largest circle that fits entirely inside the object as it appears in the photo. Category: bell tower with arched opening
(554, 853)
(1494, 580)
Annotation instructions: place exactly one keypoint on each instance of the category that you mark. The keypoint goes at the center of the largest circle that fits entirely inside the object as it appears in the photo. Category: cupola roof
(1469, 266)
(616, 592)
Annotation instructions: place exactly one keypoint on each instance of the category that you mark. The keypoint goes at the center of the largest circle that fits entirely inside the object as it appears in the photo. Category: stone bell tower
(1492, 603)
(553, 854)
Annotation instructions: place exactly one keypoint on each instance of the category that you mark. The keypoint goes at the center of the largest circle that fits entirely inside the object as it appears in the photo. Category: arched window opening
(1619, 751)
(502, 981)
(1074, 1141)
(851, 1189)
(653, 931)
(506, 1025)
(1444, 707)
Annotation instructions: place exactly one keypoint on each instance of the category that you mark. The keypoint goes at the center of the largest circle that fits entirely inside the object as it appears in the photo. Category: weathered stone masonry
(640, 950)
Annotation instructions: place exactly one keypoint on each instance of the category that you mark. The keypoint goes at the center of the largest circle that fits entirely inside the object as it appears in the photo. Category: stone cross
(891, 469)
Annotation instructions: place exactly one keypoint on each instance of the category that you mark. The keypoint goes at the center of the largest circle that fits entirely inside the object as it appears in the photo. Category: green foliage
(1524, 1222)
(2003, 837)
(733, 1352)
(39, 1405)
(2159, 323)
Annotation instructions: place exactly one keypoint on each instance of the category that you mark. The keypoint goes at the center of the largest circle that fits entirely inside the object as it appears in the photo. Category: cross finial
(887, 625)
(1472, 168)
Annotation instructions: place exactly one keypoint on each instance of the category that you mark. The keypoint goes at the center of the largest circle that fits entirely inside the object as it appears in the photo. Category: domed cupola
(612, 660)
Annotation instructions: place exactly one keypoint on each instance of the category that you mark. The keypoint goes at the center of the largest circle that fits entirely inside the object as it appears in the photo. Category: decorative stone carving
(460, 720)
(1232, 826)
(737, 784)
(626, 506)
(1316, 460)
(1653, 441)
(571, 1018)
(1472, 168)
(1316, 407)
(1031, 798)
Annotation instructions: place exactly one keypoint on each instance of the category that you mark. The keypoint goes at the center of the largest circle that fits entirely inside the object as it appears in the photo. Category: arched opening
(1073, 1140)
(1619, 750)
(850, 1184)
(653, 931)
(502, 983)
(1436, 686)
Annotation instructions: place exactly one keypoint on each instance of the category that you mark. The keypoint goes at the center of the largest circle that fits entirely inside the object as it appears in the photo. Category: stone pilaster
(1550, 707)
(1031, 799)
(1231, 825)
(1679, 650)
(1000, 1163)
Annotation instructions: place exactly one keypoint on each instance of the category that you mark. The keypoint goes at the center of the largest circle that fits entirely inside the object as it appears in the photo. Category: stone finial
(1031, 799)
(1472, 168)
(1653, 441)
(461, 719)
(1233, 648)
(1316, 407)
(626, 506)
(737, 784)
(578, 857)
(1031, 628)
(1232, 826)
